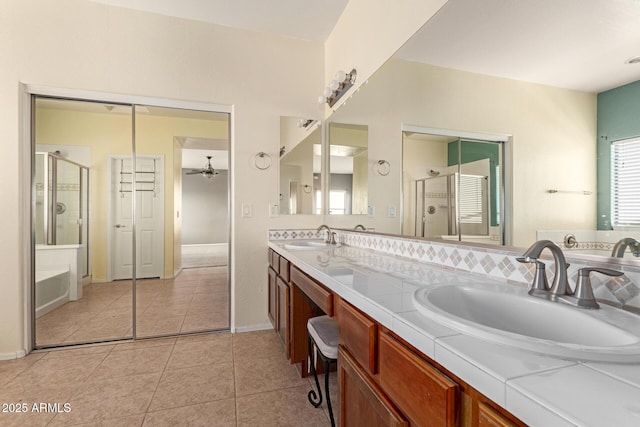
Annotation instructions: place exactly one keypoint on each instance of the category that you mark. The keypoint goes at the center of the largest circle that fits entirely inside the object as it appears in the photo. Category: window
(472, 195)
(338, 202)
(625, 182)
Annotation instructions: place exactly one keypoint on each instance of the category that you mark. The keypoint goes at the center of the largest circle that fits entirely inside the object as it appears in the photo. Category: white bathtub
(52, 290)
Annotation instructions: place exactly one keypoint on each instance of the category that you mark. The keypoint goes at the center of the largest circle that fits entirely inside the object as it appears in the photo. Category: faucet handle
(584, 292)
(540, 286)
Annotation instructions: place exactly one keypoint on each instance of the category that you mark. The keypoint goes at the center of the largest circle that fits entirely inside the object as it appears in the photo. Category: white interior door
(149, 217)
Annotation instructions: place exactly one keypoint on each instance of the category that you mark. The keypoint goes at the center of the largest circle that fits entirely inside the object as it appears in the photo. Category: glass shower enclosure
(62, 204)
(452, 205)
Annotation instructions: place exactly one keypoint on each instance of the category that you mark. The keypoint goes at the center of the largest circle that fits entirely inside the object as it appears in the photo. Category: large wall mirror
(555, 138)
(130, 221)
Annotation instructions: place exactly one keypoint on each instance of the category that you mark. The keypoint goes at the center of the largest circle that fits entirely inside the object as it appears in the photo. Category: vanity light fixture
(633, 60)
(337, 87)
(306, 123)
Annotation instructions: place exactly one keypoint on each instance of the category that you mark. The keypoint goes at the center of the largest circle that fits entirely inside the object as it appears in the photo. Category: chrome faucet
(359, 227)
(560, 285)
(560, 291)
(331, 236)
(622, 245)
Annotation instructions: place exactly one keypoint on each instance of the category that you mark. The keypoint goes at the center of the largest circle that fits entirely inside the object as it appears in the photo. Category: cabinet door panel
(362, 403)
(423, 393)
(359, 335)
(283, 314)
(272, 304)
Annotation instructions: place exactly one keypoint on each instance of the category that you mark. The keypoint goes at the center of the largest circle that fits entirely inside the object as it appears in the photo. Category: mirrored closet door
(130, 221)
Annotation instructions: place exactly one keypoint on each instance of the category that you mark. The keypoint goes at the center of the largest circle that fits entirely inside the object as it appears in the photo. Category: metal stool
(323, 337)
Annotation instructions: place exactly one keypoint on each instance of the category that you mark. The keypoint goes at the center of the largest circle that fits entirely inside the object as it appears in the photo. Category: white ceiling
(302, 19)
(577, 44)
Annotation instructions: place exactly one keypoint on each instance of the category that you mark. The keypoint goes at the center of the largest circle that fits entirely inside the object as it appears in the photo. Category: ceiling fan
(208, 171)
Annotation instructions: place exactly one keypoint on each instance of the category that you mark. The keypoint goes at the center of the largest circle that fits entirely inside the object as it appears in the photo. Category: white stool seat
(324, 332)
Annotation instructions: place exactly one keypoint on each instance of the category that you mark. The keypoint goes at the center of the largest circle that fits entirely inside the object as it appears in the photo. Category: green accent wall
(618, 118)
(473, 151)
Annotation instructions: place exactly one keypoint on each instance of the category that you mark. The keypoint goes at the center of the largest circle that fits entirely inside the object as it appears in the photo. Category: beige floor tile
(258, 375)
(111, 398)
(144, 343)
(62, 372)
(9, 369)
(34, 415)
(218, 413)
(189, 386)
(287, 407)
(214, 349)
(249, 345)
(132, 362)
(130, 421)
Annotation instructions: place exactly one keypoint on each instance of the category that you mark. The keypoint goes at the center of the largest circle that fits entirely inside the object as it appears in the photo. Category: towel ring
(383, 168)
(262, 161)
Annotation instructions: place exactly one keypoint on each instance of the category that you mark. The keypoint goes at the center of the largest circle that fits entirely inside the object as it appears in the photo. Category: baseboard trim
(251, 328)
(15, 355)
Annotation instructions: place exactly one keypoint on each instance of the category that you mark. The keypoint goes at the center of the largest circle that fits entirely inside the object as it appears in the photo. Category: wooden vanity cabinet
(383, 380)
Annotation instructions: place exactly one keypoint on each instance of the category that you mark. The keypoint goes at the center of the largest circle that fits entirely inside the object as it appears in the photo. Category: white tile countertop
(538, 389)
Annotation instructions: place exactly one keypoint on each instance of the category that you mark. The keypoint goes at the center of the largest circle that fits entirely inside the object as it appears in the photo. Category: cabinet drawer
(359, 335)
(313, 290)
(420, 391)
(284, 268)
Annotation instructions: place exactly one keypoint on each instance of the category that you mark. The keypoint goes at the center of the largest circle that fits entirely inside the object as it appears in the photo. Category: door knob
(120, 226)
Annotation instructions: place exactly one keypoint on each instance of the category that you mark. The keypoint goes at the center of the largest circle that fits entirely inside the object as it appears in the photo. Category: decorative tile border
(497, 263)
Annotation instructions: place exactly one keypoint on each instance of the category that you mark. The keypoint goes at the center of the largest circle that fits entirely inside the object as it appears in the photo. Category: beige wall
(88, 46)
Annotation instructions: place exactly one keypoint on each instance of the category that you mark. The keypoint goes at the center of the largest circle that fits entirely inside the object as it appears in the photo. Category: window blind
(625, 182)
(471, 199)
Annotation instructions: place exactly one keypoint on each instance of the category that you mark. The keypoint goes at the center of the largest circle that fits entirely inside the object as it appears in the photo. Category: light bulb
(322, 99)
(334, 85)
(327, 92)
(341, 75)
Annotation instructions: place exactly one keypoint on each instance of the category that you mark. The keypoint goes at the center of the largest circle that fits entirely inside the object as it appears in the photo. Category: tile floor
(218, 379)
(196, 300)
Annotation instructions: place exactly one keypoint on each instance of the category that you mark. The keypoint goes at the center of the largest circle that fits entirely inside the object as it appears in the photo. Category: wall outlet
(391, 211)
(247, 210)
(371, 211)
(273, 209)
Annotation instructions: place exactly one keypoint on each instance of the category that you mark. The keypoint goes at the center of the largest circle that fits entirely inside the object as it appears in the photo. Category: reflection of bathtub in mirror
(52, 290)
(58, 276)
(590, 242)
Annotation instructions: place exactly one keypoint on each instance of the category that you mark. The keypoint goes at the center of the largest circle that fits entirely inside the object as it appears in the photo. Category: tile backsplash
(498, 263)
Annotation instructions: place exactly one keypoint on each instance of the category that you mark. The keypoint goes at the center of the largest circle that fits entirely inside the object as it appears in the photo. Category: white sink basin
(308, 245)
(508, 315)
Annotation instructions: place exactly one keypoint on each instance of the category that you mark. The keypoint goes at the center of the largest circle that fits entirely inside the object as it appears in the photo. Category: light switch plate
(273, 210)
(391, 211)
(371, 211)
(247, 210)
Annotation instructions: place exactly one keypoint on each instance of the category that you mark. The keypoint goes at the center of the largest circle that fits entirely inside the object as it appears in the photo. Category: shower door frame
(28, 94)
